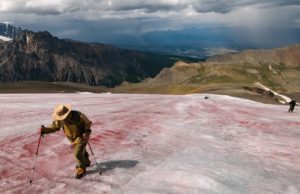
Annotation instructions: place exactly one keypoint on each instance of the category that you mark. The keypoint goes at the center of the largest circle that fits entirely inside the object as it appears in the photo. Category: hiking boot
(79, 172)
(88, 163)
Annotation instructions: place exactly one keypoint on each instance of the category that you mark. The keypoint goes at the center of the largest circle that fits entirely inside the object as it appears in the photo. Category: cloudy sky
(264, 23)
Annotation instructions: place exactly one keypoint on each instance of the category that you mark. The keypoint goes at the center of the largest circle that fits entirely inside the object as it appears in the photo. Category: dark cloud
(225, 6)
(123, 21)
(50, 7)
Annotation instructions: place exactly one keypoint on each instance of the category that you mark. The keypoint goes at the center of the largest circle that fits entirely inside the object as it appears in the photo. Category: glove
(41, 130)
(86, 136)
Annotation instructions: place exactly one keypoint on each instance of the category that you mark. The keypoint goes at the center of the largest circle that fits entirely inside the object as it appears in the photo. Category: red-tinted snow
(153, 144)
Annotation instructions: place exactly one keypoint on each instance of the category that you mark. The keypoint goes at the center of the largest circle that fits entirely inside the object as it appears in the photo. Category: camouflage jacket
(74, 126)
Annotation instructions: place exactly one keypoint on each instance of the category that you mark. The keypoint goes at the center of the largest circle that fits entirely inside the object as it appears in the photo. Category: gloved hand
(41, 130)
(86, 136)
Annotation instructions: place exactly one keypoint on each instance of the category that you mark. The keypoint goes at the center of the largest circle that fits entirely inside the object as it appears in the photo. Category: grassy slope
(47, 87)
(229, 79)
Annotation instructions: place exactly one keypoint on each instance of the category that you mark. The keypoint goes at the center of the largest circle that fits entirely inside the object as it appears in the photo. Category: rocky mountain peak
(37, 41)
(43, 57)
(9, 31)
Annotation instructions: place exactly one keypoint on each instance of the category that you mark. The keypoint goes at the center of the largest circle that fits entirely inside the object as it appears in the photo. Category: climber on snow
(76, 127)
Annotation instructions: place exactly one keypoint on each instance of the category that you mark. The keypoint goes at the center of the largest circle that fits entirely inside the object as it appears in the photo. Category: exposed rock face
(40, 56)
(9, 31)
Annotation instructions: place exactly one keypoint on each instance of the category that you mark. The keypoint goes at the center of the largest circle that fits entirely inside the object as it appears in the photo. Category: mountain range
(40, 56)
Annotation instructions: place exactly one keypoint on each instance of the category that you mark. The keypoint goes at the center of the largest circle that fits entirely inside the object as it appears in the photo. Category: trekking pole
(36, 154)
(94, 158)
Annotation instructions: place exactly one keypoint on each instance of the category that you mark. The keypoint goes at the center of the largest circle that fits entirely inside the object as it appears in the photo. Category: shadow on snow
(110, 165)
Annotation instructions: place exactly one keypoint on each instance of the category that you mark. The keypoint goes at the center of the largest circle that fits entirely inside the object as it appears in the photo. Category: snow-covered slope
(153, 144)
(5, 38)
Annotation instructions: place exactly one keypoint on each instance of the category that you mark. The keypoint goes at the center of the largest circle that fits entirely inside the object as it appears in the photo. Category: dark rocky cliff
(40, 56)
(9, 31)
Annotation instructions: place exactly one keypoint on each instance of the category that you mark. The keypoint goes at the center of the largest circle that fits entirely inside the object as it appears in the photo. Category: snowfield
(5, 38)
(153, 144)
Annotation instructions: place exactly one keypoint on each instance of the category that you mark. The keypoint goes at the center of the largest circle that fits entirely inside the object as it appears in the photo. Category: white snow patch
(84, 92)
(273, 70)
(287, 99)
(270, 67)
(5, 38)
(7, 23)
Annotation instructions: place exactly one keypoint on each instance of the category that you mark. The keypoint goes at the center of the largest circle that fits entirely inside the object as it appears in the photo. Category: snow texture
(153, 144)
(5, 38)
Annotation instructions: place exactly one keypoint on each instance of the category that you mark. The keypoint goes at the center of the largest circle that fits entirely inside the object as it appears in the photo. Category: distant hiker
(76, 127)
(292, 105)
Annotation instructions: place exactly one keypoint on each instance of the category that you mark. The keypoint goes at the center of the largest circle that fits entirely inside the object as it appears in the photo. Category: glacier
(153, 144)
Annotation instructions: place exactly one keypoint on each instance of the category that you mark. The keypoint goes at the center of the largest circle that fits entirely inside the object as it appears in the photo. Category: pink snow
(153, 144)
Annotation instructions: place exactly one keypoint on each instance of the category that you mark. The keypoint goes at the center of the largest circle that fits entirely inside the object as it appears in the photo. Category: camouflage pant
(81, 155)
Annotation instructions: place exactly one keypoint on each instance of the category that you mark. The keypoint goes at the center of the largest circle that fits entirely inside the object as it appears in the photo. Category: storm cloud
(264, 21)
(56, 7)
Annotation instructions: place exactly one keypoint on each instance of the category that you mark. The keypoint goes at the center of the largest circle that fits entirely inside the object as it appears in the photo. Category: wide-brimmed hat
(61, 112)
